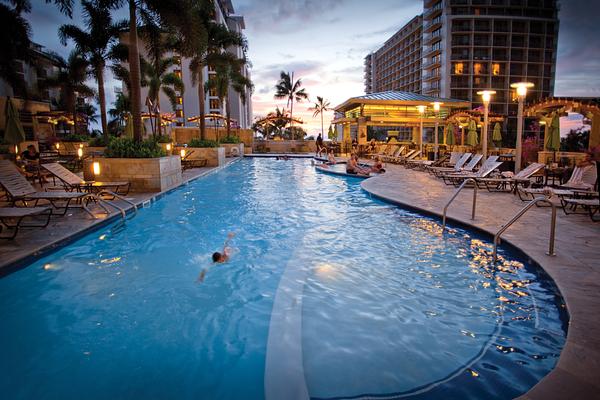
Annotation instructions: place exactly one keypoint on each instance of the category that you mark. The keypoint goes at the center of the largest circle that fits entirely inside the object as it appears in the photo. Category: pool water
(328, 294)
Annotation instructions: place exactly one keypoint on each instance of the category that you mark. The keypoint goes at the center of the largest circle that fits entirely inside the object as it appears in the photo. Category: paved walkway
(575, 268)
(29, 243)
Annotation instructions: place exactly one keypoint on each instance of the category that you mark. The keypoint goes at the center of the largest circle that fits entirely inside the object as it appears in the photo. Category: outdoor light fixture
(436, 108)
(421, 112)
(81, 145)
(16, 149)
(182, 152)
(521, 88)
(80, 152)
(168, 146)
(57, 145)
(486, 97)
(96, 168)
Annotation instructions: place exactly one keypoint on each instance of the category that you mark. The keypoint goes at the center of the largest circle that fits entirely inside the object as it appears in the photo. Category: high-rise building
(397, 64)
(470, 45)
(187, 103)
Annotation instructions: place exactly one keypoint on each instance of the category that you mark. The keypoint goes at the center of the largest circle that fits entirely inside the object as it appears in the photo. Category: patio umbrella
(13, 131)
(472, 139)
(497, 135)
(553, 140)
(450, 139)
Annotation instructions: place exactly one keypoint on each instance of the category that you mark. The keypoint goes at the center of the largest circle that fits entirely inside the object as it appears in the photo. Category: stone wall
(214, 156)
(144, 174)
(284, 146)
(229, 146)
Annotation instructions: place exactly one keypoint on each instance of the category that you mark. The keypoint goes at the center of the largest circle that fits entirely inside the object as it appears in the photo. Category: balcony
(432, 63)
(433, 11)
(432, 51)
(433, 25)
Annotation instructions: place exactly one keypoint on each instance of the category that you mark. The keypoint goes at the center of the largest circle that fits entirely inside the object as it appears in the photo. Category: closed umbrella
(497, 135)
(553, 141)
(450, 139)
(13, 131)
(129, 127)
(472, 139)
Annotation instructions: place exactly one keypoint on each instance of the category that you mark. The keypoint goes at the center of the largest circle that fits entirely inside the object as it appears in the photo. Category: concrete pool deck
(32, 243)
(575, 268)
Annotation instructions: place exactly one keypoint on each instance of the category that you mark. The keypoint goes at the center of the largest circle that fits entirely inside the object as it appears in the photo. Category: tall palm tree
(95, 43)
(156, 72)
(279, 119)
(289, 89)
(206, 48)
(321, 106)
(71, 80)
(229, 72)
(169, 13)
(121, 109)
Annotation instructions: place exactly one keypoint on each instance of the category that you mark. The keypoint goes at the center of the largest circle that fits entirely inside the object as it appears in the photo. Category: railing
(518, 215)
(114, 195)
(454, 197)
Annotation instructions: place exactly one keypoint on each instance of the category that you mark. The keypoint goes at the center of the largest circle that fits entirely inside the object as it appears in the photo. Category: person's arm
(226, 244)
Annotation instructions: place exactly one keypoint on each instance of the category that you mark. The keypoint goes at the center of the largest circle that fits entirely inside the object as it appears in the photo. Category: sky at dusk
(325, 41)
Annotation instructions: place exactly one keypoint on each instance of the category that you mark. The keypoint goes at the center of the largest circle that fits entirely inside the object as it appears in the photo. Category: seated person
(353, 168)
(30, 156)
(377, 167)
(331, 158)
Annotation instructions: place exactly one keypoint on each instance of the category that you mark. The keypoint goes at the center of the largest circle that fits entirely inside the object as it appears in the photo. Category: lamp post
(486, 96)
(521, 88)
(436, 108)
(421, 112)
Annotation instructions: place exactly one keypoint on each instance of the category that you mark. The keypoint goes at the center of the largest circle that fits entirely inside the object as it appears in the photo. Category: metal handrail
(113, 194)
(518, 215)
(456, 194)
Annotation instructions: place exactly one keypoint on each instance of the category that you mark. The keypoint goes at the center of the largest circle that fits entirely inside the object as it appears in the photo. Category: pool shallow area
(329, 294)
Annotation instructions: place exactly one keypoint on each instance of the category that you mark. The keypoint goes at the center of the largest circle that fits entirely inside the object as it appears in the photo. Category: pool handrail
(454, 197)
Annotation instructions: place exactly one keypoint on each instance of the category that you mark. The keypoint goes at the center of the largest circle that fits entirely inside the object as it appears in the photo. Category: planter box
(229, 146)
(94, 150)
(214, 156)
(144, 174)
(285, 146)
(546, 157)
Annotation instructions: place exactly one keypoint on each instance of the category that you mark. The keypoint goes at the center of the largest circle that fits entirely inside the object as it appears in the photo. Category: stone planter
(144, 174)
(229, 146)
(96, 151)
(214, 156)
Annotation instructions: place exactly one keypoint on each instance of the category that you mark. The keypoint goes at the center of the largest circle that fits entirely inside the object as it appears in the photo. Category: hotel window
(496, 69)
(501, 26)
(459, 68)
(211, 68)
(214, 104)
(212, 92)
(177, 73)
(480, 68)
(179, 113)
(179, 100)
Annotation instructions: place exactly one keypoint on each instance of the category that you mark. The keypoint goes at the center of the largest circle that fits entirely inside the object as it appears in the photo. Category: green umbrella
(472, 139)
(553, 140)
(13, 131)
(450, 139)
(129, 127)
(497, 135)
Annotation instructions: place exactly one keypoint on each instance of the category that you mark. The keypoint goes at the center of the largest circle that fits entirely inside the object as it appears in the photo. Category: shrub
(127, 148)
(96, 142)
(230, 140)
(76, 138)
(164, 139)
(202, 143)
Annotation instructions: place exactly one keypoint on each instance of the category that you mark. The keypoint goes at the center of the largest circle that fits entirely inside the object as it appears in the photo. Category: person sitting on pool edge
(353, 168)
(377, 167)
(331, 158)
(219, 257)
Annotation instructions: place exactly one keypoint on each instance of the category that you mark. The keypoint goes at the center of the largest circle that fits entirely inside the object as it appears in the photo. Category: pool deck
(575, 268)
(32, 243)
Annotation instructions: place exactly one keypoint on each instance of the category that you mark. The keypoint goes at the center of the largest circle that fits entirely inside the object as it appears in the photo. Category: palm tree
(229, 72)
(157, 72)
(71, 80)
(279, 119)
(95, 43)
(207, 48)
(321, 106)
(289, 89)
(120, 111)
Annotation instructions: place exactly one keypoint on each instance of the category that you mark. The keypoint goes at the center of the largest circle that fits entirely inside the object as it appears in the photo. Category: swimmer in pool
(219, 257)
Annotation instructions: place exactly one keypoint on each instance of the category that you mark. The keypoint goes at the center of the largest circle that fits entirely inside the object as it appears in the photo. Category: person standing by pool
(219, 257)
(319, 143)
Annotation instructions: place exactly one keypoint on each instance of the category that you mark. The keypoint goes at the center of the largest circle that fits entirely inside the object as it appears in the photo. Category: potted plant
(230, 143)
(145, 165)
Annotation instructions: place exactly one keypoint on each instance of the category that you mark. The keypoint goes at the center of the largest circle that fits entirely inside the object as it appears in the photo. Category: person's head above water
(217, 257)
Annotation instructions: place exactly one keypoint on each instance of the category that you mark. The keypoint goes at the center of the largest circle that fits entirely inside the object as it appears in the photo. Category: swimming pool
(329, 294)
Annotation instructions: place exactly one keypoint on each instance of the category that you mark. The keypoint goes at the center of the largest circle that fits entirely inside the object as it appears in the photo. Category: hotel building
(471, 45)
(187, 104)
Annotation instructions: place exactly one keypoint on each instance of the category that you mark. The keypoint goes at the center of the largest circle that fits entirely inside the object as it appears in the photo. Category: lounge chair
(20, 190)
(407, 157)
(487, 168)
(12, 218)
(509, 184)
(438, 171)
(396, 153)
(399, 156)
(422, 164)
(72, 182)
(187, 163)
(590, 204)
(582, 179)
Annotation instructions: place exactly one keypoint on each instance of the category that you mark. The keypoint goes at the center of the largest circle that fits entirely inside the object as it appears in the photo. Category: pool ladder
(507, 225)
(122, 211)
(519, 215)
